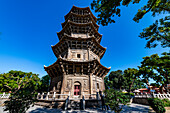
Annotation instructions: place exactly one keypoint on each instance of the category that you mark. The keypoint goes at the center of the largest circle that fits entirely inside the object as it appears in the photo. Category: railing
(161, 96)
(4, 96)
(52, 96)
(144, 96)
(90, 96)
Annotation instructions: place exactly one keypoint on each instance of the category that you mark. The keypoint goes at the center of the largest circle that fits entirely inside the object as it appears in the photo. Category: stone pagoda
(78, 70)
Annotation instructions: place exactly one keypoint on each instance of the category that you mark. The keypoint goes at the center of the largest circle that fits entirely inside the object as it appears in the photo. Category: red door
(77, 90)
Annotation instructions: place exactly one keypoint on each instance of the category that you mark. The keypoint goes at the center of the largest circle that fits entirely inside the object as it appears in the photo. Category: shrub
(166, 102)
(114, 98)
(157, 105)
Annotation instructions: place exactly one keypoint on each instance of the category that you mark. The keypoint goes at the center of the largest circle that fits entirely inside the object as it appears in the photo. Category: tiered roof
(79, 21)
(64, 66)
(78, 43)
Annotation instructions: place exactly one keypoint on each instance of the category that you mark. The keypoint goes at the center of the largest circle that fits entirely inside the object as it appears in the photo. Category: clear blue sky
(28, 29)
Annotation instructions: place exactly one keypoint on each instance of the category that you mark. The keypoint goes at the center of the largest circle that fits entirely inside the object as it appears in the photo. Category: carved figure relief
(68, 84)
(85, 85)
(58, 85)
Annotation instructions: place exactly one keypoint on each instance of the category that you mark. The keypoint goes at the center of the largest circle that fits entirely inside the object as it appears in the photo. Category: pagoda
(78, 70)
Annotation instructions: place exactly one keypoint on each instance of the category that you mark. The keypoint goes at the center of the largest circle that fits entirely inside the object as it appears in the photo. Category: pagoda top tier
(80, 11)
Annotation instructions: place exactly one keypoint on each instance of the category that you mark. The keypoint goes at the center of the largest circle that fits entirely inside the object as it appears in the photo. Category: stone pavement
(133, 108)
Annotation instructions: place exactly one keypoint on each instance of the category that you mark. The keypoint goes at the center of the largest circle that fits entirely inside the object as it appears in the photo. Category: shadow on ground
(48, 110)
(135, 109)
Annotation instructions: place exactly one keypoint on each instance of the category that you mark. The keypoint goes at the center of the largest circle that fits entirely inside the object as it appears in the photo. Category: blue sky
(28, 29)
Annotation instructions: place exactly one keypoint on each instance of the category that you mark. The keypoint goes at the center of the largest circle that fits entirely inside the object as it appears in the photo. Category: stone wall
(141, 101)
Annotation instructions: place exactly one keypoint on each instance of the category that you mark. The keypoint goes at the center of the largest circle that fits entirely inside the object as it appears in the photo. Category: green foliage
(158, 32)
(157, 105)
(115, 80)
(45, 83)
(131, 75)
(114, 98)
(24, 88)
(130, 94)
(157, 68)
(118, 80)
(166, 102)
(107, 9)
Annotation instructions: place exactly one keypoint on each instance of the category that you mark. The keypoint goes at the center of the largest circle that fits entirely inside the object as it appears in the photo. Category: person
(102, 99)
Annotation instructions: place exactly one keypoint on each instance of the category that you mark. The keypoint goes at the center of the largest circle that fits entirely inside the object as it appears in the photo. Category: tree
(114, 98)
(115, 79)
(23, 87)
(157, 68)
(45, 82)
(158, 32)
(118, 81)
(138, 83)
(131, 75)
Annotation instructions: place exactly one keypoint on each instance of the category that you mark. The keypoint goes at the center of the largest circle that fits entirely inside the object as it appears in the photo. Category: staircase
(74, 104)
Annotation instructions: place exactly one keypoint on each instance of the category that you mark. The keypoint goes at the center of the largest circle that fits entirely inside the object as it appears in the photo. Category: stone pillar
(47, 95)
(42, 96)
(72, 88)
(54, 95)
(91, 83)
(88, 53)
(63, 84)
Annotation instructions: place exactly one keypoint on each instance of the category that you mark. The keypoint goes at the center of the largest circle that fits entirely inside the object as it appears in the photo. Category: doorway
(77, 89)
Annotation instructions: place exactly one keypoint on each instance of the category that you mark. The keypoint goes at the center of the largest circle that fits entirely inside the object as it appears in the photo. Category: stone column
(63, 84)
(91, 83)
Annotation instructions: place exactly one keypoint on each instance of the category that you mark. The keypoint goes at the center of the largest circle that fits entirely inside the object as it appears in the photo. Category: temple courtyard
(132, 108)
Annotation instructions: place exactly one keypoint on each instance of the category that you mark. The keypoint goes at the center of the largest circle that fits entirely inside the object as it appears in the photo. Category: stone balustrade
(54, 96)
(4, 96)
(161, 96)
(91, 96)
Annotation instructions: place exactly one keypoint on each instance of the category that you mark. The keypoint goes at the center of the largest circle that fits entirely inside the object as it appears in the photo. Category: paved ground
(133, 108)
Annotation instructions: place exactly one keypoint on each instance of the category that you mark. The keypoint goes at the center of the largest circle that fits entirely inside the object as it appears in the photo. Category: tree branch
(165, 8)
(8, 87)
(101, 6)
(150, 7)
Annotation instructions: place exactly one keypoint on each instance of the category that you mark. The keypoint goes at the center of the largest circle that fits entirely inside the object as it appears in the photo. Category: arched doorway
(77, 89)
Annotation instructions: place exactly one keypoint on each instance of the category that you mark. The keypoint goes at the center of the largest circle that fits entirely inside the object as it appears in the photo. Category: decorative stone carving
(86, 85)
(68, 87)
(58, 85)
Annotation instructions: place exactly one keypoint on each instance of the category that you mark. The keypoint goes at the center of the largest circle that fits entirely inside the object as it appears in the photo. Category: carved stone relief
(86, 85)
(58, 85)
(68, 87)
